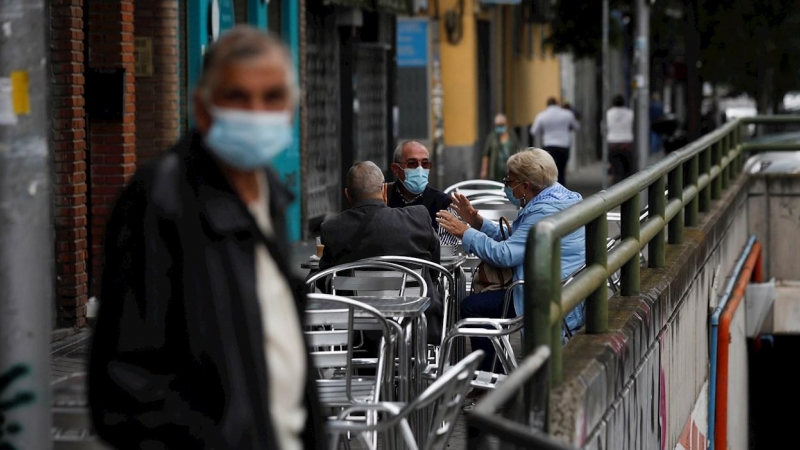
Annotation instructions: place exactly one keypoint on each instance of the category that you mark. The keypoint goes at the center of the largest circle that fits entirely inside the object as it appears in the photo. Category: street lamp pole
(605, 97)
(26, 234)
(642, 82)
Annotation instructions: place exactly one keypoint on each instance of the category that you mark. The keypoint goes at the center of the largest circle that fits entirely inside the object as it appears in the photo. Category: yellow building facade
(523, 75)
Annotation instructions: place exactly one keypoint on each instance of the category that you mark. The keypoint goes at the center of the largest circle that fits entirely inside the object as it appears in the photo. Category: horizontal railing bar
(689, 193)
(778, 118)
(673, 208)
(580, 287)
(622, 253)
(767, 147)
(649, 229)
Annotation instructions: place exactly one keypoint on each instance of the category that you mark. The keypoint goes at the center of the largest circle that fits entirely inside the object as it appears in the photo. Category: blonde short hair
(535, 166)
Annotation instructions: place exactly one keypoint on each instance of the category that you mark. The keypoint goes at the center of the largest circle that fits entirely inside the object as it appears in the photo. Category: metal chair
(445, 396)
(372, 277)
(330, 321)
(476, 188)
(449, 301)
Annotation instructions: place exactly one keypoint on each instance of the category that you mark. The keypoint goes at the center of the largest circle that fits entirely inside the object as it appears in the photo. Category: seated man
(411, 167)
(370, 228)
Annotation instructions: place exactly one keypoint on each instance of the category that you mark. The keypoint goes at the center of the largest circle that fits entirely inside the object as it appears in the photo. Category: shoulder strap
(504, 225)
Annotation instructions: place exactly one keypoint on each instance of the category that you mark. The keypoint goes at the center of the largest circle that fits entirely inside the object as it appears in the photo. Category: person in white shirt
(621, 155)
(556, 125)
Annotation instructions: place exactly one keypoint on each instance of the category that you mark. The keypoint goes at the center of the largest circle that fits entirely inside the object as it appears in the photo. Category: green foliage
(751, 45)
(578, 27)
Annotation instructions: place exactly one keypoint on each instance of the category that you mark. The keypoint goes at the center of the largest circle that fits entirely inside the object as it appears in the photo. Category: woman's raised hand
(463, 207)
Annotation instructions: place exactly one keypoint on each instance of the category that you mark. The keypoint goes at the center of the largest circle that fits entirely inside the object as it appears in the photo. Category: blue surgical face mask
(416, 180)
(248, 140)
(510, 196)
(500, 129)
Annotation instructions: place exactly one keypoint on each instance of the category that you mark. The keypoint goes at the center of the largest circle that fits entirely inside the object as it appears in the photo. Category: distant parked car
(735, 112)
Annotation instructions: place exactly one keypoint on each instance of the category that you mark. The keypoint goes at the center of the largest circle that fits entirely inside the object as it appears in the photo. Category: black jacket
(390, 231)
(433, 200)
(177, 358)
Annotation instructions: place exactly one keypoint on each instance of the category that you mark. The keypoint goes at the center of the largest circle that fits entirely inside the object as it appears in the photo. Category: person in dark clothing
(499, 145)
(370, 228)
(411, 167)
(198, 341)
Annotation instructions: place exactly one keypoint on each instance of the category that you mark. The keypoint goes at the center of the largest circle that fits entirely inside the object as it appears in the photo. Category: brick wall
(69, 144)
(112, 142)
(158, 95)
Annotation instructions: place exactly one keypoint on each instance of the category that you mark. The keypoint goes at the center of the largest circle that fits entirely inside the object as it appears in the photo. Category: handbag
(488, 277)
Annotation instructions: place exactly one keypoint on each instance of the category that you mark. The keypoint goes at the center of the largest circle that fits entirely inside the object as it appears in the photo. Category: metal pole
(606, 94)
(26, 236)
(642, 82)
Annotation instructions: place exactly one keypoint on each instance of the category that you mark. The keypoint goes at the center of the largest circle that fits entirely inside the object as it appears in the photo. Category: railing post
(716, 160)
(630, 229)
(704, 196)
(691, 207)
(596, 253)
(657, 202)
(555, 328)
(675, 182)
(728, 173)
(540, 266)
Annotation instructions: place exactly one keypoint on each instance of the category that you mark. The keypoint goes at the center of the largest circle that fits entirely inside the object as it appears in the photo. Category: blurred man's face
(257, 84)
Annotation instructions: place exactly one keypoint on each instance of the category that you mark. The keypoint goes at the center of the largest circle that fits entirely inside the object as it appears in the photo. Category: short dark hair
(618, 100)
(552, 101)
(363, 180)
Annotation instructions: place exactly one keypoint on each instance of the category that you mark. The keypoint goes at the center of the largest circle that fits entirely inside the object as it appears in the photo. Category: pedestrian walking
(198, 343)
(499, 145)
(621, 154)
(556, 125)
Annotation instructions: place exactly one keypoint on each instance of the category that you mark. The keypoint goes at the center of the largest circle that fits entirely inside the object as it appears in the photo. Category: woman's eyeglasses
(507, 181)
(413, 164)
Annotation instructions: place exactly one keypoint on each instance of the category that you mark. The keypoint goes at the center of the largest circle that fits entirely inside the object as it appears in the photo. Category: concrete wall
(636, 386)
(777, 198)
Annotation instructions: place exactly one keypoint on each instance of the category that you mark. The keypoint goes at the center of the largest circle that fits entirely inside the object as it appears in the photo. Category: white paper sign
(7, 116)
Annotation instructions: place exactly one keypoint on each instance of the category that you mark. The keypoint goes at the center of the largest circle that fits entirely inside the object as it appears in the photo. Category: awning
(389, 6)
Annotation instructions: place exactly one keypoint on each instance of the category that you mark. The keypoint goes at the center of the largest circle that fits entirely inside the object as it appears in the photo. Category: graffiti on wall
(11, 399)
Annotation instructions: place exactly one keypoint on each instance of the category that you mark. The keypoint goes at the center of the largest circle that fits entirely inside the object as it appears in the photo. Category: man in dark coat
(411, 167)
(370, 228)
(198, 342)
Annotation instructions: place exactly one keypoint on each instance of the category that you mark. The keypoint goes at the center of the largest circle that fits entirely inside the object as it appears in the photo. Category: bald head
(402, 151)
(364, 181)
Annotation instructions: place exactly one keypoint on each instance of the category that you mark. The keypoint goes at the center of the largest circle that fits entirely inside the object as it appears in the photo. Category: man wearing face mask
(198, 342)
(411, 167)
(370, 228)
(531, 183)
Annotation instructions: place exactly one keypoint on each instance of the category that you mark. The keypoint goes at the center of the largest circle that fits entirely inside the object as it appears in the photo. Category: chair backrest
(376, 278)
(330, 321)
(493, 207)
(473, 187)
(446, 395)
(444, 276)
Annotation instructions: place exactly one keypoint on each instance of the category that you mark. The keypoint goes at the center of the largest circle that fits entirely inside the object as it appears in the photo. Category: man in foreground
(198, 342)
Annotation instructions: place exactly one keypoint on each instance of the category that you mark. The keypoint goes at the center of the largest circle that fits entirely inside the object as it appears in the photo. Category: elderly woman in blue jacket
(531, 184)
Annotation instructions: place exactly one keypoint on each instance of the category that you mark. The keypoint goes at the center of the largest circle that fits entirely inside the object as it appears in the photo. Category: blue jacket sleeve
(508, 253)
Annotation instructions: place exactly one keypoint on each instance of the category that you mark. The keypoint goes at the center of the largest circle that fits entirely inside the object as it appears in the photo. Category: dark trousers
(560, 155)
(622, 161)
(486, 304)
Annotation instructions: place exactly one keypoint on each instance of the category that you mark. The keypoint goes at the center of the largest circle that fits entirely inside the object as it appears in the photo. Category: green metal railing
(679, 187)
